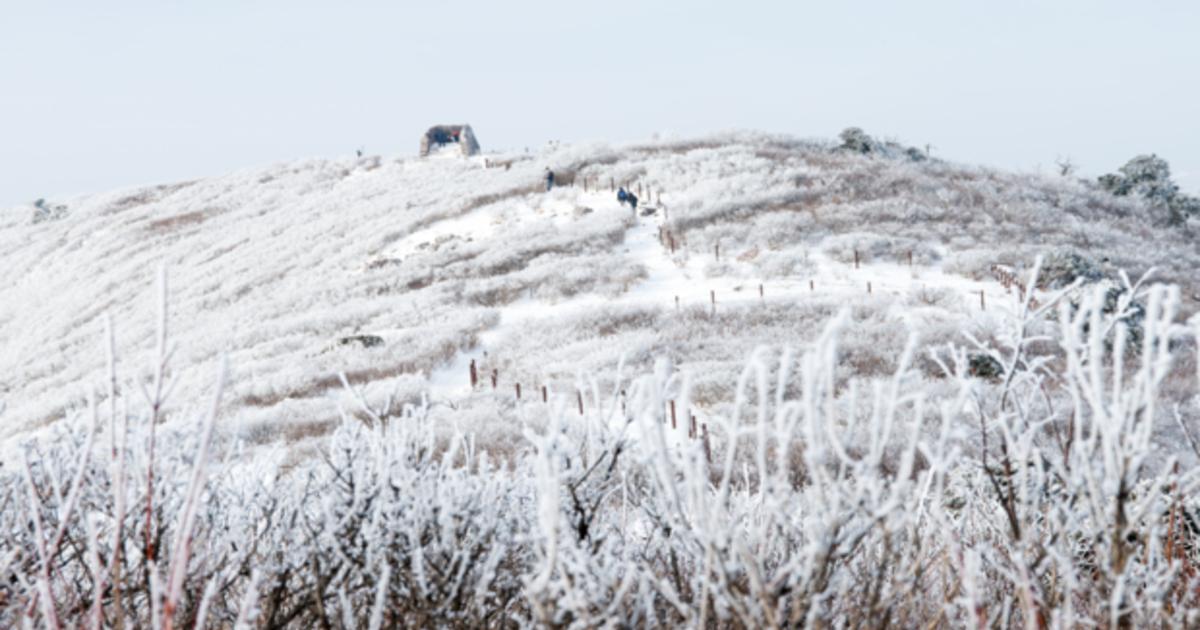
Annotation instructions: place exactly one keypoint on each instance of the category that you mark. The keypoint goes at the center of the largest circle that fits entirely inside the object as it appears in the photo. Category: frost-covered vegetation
(809, 384)
(275, 266)
(1149, 177)
(1032, 497)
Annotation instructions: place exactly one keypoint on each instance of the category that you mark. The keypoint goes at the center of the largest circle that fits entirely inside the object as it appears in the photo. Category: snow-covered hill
(398, 272)
(801, 386)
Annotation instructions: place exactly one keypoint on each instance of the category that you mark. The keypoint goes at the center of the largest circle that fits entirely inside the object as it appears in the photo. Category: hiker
(549, 179)
(632, 201)
(622, 196)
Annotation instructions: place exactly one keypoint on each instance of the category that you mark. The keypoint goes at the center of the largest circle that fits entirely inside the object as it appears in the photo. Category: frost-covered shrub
(873, 247)
(1149, 177)
(1063, 267)
(792, 261)
(985, 366)
(43, 211)
(856, 140)
(972, 263)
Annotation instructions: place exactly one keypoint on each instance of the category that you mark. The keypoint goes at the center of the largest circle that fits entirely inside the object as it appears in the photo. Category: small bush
(1149, 177)
(984, 366)
(1062, 267)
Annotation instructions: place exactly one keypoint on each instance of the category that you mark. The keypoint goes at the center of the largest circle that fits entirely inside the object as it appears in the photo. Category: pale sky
(102, 95)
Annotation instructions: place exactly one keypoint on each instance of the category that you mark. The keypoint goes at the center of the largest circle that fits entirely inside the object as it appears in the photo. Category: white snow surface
(447, 261)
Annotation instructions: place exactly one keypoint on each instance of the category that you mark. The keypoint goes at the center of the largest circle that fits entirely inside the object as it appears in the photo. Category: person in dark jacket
(549, 178)
(632, 201)
(622, 196)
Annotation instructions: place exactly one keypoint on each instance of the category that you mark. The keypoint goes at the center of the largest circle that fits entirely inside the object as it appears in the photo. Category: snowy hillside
(800, 387)
(293, 270)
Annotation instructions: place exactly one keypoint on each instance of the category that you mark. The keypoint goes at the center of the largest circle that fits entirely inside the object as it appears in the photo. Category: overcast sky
(103, 95)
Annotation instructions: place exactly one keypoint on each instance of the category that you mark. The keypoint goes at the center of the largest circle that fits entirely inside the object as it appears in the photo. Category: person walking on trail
(622, 196)
(632, 201)
(549, 179)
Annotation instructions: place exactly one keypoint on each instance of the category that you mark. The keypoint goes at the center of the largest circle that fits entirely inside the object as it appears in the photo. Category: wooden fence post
(474, 375)
(868, 287)
(910, 258)
(672, 414)
(544, 397)
(717, 251)
(811, 287)
(760, 290)
(579, 398)
(982, 303)
(856, 259)
(707, 446)
(495, 373)
(518, 391)
(713, 294)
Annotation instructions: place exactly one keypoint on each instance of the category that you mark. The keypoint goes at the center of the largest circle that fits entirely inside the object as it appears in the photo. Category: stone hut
(441, 135)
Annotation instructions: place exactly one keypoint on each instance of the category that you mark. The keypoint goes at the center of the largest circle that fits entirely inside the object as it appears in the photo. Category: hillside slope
(400, 272)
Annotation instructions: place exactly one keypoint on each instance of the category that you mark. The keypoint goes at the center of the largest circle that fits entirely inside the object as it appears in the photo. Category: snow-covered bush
(871, 247)
(1149, 177)
(1064, 267)
(856, 140)
(43, 211)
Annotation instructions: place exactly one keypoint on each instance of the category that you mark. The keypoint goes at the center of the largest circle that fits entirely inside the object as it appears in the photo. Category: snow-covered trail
(678, 280)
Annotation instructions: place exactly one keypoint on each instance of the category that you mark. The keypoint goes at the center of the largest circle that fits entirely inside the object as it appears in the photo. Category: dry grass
(177, 222)
(144, 197)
